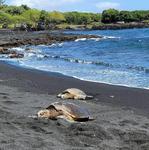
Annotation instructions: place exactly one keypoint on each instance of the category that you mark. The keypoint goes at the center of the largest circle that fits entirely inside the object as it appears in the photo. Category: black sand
(117, 124)
(121, 114)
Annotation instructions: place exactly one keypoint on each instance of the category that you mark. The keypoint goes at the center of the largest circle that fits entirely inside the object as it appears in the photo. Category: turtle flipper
(89, 97)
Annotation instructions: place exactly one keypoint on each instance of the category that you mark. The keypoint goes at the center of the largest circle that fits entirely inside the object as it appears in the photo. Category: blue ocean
(121, 57)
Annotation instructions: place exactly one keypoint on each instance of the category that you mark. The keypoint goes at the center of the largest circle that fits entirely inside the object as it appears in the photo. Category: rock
(4, 50)
(16, 55)
(1, 50)
(145, 146)
(28, 49)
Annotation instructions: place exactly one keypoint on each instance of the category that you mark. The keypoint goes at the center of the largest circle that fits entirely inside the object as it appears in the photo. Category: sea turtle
(73, 93)
(69, 111)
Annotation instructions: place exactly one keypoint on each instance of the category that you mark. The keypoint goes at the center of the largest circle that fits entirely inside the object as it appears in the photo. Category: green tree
(31, 16)
(95, 17)
(56, 17)
(110, 16)
(43, 16)
(81, 18)
(14, 10)
(138, 15)
(17, 19)
(126, 16)
(71, 17)
(25, 7)
(5, 18)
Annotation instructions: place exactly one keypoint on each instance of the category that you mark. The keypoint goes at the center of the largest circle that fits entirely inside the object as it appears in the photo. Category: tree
(138, 15)
(43, 16)
(126, 16)
(110, 16)
(85, 18)
(81, 18)
(5, 18)
(95, 17)
(71, 17)
(18, 19)
(25, 7)
(56, 17)
(14, 10)
(31, 16)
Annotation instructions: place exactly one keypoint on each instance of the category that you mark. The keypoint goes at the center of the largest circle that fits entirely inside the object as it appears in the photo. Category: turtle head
(49, 113)
(65, 95)
(43, 113)
(59, 95)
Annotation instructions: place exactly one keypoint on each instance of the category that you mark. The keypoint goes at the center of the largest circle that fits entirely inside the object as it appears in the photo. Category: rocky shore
(9, 39)
(112, 26)
(118, 26)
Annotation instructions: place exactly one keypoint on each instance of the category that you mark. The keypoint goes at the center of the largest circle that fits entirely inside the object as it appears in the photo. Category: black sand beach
(121, 114)
(118, 123)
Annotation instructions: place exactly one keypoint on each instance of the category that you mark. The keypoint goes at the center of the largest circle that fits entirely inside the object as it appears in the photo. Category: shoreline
(90, 87)
(115, 95)
(117, 26)
(121, 113)
(10, 39)
(69, 76)
(110, 26)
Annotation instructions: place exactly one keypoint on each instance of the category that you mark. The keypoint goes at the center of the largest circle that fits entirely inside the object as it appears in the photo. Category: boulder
(16, 55)
(4, 50)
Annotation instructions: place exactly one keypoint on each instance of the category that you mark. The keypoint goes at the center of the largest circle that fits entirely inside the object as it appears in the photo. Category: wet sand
(121, 114)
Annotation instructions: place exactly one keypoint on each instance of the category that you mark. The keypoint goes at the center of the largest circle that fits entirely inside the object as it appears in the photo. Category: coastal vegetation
(15, 16)
(113, 16)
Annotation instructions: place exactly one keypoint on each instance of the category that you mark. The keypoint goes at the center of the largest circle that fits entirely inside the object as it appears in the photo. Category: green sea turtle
(73, 93)
(69, 111)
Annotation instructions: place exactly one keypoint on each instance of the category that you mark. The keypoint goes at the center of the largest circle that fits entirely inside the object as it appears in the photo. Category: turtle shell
(74, 111)
(74, 91)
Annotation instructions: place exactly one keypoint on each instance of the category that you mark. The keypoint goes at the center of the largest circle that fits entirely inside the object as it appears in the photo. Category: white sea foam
(52, 45)
(56, 44)
(96, 39)
(60, 44)
(111, 37)
(80, 39)
(40, 56)
(30, 54)
(4, 56)
(84, 39)
(17, 49)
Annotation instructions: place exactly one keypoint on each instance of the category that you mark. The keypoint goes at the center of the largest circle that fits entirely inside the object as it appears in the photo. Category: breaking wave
(97, 39)
(100, 63)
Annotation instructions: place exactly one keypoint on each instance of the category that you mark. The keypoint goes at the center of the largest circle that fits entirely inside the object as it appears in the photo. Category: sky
(83, 5)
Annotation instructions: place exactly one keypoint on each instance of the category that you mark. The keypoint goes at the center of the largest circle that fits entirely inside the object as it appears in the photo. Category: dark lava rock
(16, 55)
(4, 50)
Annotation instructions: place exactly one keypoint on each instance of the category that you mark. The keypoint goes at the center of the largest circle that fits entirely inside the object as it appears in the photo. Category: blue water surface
(121, 57)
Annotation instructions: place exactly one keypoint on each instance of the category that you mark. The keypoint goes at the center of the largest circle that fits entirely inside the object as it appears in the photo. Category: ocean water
(121, 57)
